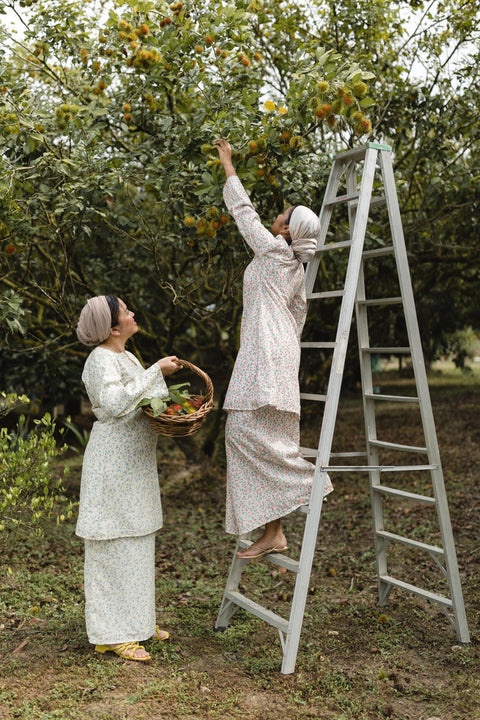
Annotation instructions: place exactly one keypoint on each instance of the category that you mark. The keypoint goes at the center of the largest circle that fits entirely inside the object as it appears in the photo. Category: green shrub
(29, 489)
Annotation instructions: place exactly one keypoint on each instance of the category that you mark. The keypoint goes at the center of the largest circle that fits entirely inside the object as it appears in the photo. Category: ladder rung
(358, 453)
(328, 345)
(392, 398)
(374, 201)
(257, 610)
(381, 301)
(334, 246)
(384, 490)
(378, 468)
(416, 590)
(413, 543)
(396, 446)
(378, 200)
(277, 558)
(310, 452)
(326, 294)
(390, 350)
(377, 252)
(313, 396)
(341, 199)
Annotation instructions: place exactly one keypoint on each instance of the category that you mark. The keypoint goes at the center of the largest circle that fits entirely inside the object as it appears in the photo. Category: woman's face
(126, 323)
(280, 226)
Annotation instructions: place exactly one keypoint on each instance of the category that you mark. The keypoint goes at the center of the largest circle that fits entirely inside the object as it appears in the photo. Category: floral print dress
(120, 507)
(266, 475)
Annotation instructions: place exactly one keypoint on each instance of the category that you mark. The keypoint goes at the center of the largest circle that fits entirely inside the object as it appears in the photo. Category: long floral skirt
(267, 477)
(120, 589)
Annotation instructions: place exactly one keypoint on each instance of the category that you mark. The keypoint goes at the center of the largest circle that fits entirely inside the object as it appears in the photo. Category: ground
(357, 661)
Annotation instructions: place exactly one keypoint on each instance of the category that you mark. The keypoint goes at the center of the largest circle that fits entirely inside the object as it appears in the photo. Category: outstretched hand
(225, 155)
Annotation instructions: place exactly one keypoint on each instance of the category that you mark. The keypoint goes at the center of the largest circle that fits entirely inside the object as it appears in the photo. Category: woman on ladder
(267, 478)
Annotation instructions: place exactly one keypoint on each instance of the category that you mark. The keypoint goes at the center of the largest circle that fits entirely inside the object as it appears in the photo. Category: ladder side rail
(325, 216)
(303, 576)
(227, 608)
(366, 376)
(346, 315)
(424, 395)
(330, 411)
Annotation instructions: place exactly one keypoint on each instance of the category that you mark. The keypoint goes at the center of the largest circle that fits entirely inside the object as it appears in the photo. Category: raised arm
(240, 207)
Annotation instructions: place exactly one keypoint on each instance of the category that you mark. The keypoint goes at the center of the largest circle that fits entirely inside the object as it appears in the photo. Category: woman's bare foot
(260, 548)
(272, 540)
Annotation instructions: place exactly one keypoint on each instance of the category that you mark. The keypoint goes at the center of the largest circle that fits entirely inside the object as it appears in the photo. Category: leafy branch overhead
(102, 121)
(108, 180)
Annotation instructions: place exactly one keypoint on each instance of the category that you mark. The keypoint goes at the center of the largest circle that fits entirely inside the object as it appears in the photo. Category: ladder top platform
(359, 152)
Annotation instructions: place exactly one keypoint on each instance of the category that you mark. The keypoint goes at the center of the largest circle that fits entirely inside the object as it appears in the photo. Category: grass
(356, 661)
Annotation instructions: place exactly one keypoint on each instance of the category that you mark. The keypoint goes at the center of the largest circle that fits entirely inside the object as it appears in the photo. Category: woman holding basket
(120, 507)
(267, 478)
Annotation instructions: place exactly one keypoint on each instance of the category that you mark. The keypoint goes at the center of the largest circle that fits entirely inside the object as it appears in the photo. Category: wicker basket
(180, 425)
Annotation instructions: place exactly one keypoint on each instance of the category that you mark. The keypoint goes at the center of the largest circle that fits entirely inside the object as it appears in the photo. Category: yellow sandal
(124, 650)
(160, 634)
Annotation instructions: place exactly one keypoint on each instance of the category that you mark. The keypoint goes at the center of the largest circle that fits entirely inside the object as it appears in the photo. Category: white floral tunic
(274, 309)
(119, 493)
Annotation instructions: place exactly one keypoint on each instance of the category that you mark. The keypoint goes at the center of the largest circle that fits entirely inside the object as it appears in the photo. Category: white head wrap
(95, 321)
(304, 229)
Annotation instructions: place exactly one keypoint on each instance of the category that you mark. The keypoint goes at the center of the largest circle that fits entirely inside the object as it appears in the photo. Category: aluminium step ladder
(359, 200)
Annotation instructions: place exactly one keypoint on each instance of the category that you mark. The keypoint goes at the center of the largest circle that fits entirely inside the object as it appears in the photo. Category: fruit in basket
(177, 402)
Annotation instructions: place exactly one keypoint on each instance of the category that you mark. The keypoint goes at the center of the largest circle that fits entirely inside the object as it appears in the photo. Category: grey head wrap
(304, 229)
(95, 321)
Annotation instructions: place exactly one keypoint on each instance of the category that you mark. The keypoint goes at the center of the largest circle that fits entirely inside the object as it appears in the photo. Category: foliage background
(108, 183)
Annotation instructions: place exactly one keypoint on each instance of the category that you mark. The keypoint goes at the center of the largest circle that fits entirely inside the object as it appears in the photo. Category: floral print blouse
(119, 492)
(274, 310)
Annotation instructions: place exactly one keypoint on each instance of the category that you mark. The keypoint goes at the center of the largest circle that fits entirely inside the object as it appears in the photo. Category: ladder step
(327, 345)
(413, 543)
(358, 453)
(440, 599)
(278, 558)
(334, 246)
(309, 452)
(389, 350)
(374, 201)
(313, 396)
(384, 490)
(377, 252)
(378, 468)
(258, 610)
(381, 301)
(392, 398)
(341, 199)
(326, 294)
(378, 200)
(313, 452)
(396, 446)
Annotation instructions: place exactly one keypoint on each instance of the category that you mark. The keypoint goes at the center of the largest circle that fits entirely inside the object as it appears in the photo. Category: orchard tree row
(109, 182)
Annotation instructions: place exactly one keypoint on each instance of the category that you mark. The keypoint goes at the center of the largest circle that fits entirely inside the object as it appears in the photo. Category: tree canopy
(109, 182)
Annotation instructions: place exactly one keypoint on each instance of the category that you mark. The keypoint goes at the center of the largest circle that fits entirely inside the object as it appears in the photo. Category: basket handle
(197, 371)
